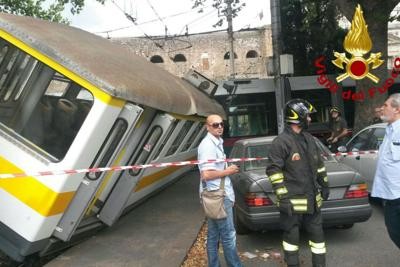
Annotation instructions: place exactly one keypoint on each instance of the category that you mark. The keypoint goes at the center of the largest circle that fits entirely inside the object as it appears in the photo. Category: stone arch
(157, 59)
(226, 56)
(251, 54)
(179, 58)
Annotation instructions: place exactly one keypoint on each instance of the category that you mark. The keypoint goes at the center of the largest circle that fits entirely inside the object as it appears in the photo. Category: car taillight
(356, 191)
(257, 200)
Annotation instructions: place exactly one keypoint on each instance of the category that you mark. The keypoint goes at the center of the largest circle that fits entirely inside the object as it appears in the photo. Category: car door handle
(357, 157)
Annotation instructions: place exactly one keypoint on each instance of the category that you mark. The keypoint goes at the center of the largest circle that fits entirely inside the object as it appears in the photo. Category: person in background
(377, 115)
(211, 147)
(338, 126)
(386, 184)
(298, 176)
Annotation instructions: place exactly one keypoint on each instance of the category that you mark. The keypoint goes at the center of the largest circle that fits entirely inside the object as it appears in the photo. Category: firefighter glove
(325, 193)
(285, 206)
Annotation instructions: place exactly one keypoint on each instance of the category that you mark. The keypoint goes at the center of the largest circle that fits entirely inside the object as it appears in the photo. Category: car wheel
(345, 226)
(241, 229)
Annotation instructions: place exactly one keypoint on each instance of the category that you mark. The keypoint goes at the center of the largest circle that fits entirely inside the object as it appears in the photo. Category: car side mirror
(342, 149)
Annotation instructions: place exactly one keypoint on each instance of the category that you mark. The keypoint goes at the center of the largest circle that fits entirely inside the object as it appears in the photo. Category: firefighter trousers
(312, 223)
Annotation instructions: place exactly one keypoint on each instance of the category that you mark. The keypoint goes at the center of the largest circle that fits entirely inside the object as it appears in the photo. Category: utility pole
(277, 51)
(230, 38)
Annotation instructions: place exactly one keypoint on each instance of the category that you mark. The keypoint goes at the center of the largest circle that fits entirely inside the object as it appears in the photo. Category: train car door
(76, 215)
(149, 149)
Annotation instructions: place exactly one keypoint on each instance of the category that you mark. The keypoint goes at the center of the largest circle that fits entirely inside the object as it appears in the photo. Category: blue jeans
(224, 230)
(392, 219)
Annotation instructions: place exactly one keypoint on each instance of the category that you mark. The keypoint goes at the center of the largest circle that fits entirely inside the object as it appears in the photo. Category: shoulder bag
(213, 201)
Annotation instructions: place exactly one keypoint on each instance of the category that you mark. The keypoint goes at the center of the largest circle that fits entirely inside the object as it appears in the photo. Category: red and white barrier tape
(355, 153)
(121, 168)
(155, 165)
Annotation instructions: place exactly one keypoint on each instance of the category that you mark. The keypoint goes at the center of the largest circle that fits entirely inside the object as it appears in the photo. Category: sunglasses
(216, 125)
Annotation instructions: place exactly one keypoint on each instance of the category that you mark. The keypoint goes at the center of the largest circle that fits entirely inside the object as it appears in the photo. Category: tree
(309, 29)
(377, 16)
(222, 8)
(35, 8)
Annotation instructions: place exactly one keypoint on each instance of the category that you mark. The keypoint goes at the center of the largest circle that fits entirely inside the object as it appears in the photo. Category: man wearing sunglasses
(211, 147)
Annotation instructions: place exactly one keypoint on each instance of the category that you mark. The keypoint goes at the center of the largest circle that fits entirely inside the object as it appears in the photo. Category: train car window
(247, 119)
(109, 146)
(147, 148)
(34, 108)
(191, 138)
(179, 138)
(200, 137)
(167, 138)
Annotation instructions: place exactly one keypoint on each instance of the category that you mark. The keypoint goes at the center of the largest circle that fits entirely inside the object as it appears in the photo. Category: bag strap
(222, 183)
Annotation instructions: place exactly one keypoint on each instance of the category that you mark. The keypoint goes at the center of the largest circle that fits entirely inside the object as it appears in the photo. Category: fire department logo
(296, 156)
(358, 43)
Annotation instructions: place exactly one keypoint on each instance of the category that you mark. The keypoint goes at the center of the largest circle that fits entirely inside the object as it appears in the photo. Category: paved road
(158, 232)
(365, 245)
(161, 230)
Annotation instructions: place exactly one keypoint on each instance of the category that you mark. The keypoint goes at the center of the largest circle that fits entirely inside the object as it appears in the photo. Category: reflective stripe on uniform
(299, 204)
(317, 248)
(318, 198)
(321, 169)
(299, 201)
(300, 208)
(281, 191)
(276, 178)
(289, 247)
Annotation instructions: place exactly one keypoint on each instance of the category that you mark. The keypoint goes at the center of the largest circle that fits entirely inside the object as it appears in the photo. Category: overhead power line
(133, 20)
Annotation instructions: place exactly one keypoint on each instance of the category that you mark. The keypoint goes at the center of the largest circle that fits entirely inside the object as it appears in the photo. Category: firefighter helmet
(334, 109)
(297, 111)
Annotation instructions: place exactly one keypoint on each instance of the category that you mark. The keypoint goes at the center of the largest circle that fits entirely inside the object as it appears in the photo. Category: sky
(153, 17)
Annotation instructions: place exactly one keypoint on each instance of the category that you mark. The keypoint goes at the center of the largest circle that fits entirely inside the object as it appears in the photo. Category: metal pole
(230, 39)
(277, 51)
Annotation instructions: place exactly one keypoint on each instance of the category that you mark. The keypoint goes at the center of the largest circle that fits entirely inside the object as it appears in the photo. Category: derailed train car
(71, 100)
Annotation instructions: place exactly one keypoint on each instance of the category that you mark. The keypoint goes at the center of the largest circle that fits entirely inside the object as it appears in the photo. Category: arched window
(157, 59)
(252, 54)
(226, 56)
(179, 58)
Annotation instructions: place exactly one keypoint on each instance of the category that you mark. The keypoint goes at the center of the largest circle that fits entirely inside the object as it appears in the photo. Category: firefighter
(338, 126)
(298, 177)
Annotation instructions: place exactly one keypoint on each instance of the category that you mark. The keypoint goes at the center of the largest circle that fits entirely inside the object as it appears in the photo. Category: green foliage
(310, 29)
(39, 8)
(221, 5)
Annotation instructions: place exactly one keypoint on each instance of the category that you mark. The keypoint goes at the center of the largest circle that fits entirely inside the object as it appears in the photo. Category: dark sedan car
(255, 207)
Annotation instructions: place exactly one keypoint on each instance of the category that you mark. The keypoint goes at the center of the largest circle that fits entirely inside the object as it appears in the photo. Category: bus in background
(250, 105)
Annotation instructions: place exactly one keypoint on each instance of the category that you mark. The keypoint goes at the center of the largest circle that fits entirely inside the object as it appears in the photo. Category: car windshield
(325, 152)
(254, 151)
(260, 150)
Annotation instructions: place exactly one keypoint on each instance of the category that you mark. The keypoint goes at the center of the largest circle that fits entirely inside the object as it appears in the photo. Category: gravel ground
(197, 254)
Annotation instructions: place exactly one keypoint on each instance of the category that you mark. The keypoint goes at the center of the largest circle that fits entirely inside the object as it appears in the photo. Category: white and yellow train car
(71, 100)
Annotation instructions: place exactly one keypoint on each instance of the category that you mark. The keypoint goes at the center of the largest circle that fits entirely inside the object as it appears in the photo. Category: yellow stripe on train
(47, 202)
(33, 193)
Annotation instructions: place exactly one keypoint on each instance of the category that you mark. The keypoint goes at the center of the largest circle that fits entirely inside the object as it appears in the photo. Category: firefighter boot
(292, 258)
(318, 260)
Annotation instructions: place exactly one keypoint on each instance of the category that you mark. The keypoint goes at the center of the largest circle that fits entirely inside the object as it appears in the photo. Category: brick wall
(205, 52)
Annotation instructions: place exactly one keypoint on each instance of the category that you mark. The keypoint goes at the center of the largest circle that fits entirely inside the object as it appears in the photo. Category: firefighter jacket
(296, 172)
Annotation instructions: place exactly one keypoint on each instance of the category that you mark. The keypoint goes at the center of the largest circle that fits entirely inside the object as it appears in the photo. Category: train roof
(110, 66)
